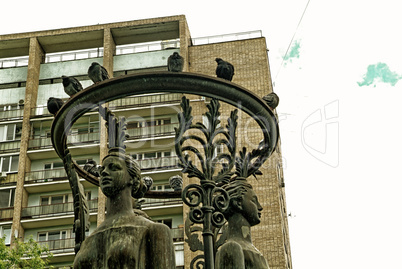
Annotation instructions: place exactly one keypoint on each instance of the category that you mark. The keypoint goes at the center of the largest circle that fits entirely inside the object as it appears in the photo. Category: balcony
(6, 213)
(152, 131)
(14, 114)
(9, 179)
(45, 176)
(159, 163)
(226, 37)
(145, 100)
(61, 209)
(149, 202)
(73, 140)
(67, 245)
(10, 146)
(59, 246)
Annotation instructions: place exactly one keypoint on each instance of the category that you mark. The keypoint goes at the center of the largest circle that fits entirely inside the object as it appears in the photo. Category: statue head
(243, 200)
(118, 172)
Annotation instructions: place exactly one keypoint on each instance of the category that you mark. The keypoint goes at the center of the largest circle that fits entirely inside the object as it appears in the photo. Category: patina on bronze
(244, 211)
(223, 193)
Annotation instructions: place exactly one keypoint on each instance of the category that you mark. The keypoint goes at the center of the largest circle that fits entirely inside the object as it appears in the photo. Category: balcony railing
(61, 245)
(150, 202)
(145, 100)
(14, 62)
(9, 179)
(54, 210)
(177, 234)
(45, 176)
(73, 140)
(152, 131)
(9, 146)
(158, 163)
(6, 213)
(13, 114)
(226, 37)
(67, 245)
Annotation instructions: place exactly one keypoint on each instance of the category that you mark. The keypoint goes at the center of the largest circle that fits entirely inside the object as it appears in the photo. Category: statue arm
(230, 255)
(161, 247)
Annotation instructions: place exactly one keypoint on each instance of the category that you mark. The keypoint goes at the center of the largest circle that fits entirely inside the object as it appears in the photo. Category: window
(6, 232)
(161, 187)
(167, 222)
(8, 164)
(54, 165)
(53, 235)
(7, 198)
(10, 132)
(55, 199)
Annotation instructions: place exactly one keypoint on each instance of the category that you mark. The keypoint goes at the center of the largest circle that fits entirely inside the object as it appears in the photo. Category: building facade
(35, 198)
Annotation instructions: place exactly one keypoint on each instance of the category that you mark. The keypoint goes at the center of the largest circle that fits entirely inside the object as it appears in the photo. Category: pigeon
(54, 104)
(176, 183)
(71, 85)
(92, 168)
(224, 69)
(272, 100)
(97, 73)
(148, 182)
(175, 62)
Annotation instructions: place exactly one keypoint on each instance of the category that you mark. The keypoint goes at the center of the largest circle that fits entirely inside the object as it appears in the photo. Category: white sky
(340, 142)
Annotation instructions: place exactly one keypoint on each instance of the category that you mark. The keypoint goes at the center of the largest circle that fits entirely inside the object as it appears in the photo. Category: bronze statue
(243, 212)
(125, 239)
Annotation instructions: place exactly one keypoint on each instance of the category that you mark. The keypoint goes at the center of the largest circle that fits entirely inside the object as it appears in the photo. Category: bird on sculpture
(71, 85)
(224, 69)
(92, 168)
(272, 100)
(97, 73)
(54, 104)
(175, 62)
(148, 182)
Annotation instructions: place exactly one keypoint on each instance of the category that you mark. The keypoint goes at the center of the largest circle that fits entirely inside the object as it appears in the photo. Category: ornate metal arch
(156, 82)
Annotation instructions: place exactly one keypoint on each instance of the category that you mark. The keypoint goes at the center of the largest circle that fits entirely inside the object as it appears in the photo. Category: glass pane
(6, 164)
(63, 235)
(44, 201)
(12, 195)
(58, 165)
(48, 166)
(10, 132)
(54, 235)
(150, 155)
(57, 200)
(42, 237)
(14, 163)
(2, 129)
(4, 198)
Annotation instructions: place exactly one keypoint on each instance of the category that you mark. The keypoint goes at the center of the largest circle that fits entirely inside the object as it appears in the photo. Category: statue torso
(120, 246)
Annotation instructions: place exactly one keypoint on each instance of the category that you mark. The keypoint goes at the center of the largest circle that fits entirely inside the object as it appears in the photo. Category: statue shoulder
(230, 255)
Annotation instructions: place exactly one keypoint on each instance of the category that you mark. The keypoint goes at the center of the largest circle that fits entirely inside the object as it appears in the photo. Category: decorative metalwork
(197, 144)
(208, 199)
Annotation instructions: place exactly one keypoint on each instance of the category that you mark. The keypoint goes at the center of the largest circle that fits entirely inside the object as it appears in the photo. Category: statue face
(251, 208)
(114, 176)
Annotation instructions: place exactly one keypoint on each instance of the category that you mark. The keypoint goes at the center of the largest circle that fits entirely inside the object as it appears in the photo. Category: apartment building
(35, 198)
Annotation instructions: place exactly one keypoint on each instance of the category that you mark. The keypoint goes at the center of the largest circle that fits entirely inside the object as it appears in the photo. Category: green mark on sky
(379, 72)
(293, 52)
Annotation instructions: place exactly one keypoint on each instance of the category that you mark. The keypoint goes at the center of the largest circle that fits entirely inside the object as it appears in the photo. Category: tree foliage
(24, 255)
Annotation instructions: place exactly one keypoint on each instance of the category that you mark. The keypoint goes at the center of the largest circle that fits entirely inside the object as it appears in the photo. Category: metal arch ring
(156, 82)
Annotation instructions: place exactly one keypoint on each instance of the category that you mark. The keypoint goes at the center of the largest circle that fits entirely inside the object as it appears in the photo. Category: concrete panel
(55, 90)
(12, 96)
(15, 74)
(142, 60)
(68, 68)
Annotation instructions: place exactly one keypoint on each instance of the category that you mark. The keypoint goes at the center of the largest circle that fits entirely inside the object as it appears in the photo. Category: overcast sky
(339, 111)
